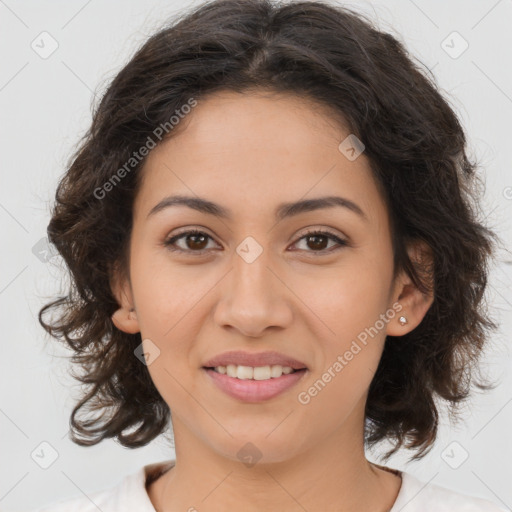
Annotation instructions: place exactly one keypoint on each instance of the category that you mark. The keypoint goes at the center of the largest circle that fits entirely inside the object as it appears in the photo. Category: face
(256, 282)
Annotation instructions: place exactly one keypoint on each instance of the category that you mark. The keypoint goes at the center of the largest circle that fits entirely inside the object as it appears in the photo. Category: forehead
(253, 151)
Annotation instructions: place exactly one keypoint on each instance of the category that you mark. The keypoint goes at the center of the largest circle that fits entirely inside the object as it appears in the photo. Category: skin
(297, 302)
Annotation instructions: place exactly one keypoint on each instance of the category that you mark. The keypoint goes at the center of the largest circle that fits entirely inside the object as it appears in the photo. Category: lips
(241, 358)
(254, 391)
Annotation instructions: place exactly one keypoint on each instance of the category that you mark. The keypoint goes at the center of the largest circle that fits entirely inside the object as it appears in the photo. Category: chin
(260, 448)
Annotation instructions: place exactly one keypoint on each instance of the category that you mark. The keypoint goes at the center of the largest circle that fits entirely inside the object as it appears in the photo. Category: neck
(333, 475)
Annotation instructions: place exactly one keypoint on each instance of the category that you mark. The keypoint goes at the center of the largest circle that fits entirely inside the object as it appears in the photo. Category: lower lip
(249, 390)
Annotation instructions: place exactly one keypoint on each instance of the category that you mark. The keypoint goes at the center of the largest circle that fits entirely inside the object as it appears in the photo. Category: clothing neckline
(154, 471)
(396, 472)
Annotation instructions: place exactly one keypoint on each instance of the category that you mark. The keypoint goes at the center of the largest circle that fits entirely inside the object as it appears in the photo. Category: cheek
(348, 297)
(349, 303)
(164, 293)
(350, 348)
(172, 302)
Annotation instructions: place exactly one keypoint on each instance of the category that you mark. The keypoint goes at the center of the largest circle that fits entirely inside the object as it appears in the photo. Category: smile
(254, 384)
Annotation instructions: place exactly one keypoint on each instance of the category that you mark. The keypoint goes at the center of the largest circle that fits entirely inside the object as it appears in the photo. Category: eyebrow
(283, 210)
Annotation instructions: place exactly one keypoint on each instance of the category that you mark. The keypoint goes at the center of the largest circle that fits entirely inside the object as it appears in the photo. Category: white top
(130, 495)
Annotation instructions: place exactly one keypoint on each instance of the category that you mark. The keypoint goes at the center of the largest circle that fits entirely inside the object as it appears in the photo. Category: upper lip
(239, 357)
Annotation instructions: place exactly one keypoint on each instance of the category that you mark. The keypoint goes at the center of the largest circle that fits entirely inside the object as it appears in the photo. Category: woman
(271, 236)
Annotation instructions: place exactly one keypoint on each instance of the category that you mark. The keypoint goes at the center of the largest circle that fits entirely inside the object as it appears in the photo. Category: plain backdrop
(46, 107)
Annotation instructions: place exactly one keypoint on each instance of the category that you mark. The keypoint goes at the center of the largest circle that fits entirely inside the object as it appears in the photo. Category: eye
(195, 241)
(317, 238)
(196, 238)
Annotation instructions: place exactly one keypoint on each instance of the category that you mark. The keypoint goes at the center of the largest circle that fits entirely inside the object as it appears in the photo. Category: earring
(402, 320)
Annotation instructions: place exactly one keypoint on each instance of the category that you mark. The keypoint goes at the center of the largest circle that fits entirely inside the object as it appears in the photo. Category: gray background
(45, 108)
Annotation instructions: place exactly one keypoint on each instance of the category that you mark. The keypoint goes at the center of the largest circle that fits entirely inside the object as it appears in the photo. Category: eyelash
(171, 241)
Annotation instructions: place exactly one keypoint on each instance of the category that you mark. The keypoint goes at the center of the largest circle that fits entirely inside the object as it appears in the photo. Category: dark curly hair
(416, 147)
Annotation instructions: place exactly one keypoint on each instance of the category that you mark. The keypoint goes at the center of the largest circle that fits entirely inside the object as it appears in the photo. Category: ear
(124, 318)
(414, 304)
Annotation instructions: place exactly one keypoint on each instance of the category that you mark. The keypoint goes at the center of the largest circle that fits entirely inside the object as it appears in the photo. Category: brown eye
(317, 241)
(194, 241)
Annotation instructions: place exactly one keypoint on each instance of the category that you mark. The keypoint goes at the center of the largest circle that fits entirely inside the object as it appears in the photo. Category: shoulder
(418, 496)
(128, 493)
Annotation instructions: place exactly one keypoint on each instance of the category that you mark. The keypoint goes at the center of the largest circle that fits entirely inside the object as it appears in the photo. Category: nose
(254, 298)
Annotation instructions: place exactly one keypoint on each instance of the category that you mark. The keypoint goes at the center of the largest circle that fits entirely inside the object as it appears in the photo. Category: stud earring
(402, 320)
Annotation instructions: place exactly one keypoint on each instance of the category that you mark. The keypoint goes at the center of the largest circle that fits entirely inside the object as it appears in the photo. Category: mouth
(254, 384)
(254, 377)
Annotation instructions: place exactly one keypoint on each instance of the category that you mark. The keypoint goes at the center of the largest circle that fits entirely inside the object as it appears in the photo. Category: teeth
(254, 373)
